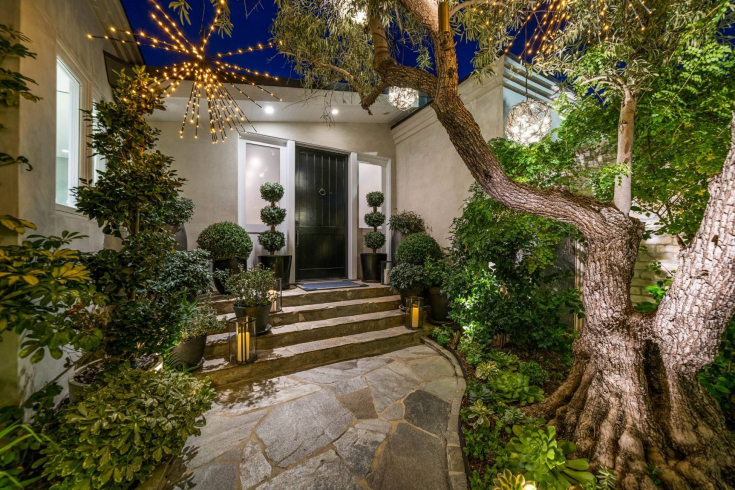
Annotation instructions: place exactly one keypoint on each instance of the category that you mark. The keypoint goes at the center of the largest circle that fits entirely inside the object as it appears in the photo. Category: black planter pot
(179, 231)
(190, 352)
(261, 315)
(439, 305)
(280, 265)
(371, 266)
(396, 237)
(231, 265)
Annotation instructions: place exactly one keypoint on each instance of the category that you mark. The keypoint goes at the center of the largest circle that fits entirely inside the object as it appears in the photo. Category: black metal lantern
(385, 267)
(242, 340)
(276, 295)
(415, 313)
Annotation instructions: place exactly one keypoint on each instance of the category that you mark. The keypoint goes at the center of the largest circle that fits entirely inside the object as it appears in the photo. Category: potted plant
(185, 272)
(411, 256)
(401, 225)
(175, 213)
(436, 274)
(374, 239)
(273, 240)
(409, 280)
(229, 246)
(254, 292)
(193, 338)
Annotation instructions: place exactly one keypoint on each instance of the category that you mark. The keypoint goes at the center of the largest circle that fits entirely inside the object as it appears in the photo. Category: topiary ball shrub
(407, 222)
(225, 240)
(374, 240)
(126, 426)
(416, 249)
(374, 219)
(272, 240)
(375, 199)
(271, 191)
(272, 215)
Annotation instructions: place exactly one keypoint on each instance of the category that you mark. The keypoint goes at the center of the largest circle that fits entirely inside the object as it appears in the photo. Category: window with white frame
(68, 152)
(370, 179)
(262, 164)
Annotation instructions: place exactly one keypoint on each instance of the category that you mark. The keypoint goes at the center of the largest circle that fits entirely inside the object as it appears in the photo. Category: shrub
(178, 211)
(442, 335)
(375, 199)
(416, 249)
(185, 272)
(405, 277)
(536, 374)
(272, 215)
(272, 240)
(225, 240)
(374, 219)
(251, 288)
(126, 425)
(407, 222)
(202, 320)
(514, 387)
(374, 240)
(437, 272)
(473, 351)
(271, 192)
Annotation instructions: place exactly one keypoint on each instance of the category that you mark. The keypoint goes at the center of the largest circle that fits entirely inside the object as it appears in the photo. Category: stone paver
(383, 422)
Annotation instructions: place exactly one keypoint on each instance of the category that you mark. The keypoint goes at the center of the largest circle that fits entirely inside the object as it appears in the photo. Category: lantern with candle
(276, 294)
(242, 340)
(415, 313)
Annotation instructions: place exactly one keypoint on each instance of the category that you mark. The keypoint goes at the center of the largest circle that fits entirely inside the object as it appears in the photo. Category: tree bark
(623, 196)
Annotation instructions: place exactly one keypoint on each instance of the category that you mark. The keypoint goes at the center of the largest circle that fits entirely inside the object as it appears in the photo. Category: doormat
(315, 286)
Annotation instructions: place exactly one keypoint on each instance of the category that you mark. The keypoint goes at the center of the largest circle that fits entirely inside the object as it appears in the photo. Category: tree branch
(471, 3)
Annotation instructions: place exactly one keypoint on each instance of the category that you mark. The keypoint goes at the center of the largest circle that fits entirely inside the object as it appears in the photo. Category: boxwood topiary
(271, 192)
(374, 219)
(272, 240)
(407, 222)
(375, 199)
(225, 240)
(374, 240)
(272, 215)
(416, 249)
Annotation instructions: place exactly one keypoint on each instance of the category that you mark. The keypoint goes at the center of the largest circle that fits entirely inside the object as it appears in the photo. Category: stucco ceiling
(299, 105)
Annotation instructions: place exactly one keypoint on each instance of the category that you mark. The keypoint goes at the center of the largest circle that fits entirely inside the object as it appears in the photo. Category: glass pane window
(370, 180)
(262, 164)
(99, 164)
(68, 91)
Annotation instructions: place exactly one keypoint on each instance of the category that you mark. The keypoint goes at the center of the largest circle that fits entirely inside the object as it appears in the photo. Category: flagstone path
(382, 423)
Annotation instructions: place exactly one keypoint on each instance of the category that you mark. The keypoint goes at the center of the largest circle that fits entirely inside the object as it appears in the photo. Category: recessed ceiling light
(269, 109)
(335, 111)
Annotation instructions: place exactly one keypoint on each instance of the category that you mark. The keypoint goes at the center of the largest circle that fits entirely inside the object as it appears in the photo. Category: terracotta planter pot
(190, 352)
(261, 315)
(280, 265)
(371, 266)
(231, 265)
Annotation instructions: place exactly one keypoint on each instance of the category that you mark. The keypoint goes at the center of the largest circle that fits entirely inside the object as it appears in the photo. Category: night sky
(248, 30)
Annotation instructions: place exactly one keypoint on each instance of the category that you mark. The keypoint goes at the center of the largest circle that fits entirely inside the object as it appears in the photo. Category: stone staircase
(315, 328)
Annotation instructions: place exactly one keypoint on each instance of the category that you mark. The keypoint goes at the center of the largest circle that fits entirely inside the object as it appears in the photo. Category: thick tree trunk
(623, 197)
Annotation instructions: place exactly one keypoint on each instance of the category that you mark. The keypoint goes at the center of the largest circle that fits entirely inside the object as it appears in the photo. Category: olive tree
(632, 398)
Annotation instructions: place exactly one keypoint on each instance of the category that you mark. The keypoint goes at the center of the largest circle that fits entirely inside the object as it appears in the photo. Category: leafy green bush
(374, 219)
(477, 441)
(535, 453)
(272, 215)
(437, 272)
(271, 192)
(225, 240)
(536, 374)
(126, 425)
(178, 211)
(185, 273)
(251, 288)
(202, 320)
(417, 248)
(474, 353)
(374, 240)
(514, 387)
(375, 199)
(407, 277)
(407, 222)
(272, 241)
(442, 334)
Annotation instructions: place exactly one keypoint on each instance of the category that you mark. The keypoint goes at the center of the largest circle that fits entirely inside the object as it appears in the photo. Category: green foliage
(480, 391)
(606, 479)
(408, 277)
(512, 416)
(417, 249)
(271, 192)
(45, 295)
(251, 287)
(375, 199)
(374, 240)
(478, 441)
(437, 272)
(479, 414)
(514, 387)
(504, 360)
(11, 438)
(487, 369)
(374, 219)
(272, 215)
(126, 425)
(508, 481)
(535, 453)
(474, 353)
(719, 376)
(442, 335)
(225, 240)
(272, 241)
(407, 222)
(520, 295)
(536, 374)
(177, 212)
(202, 320)
(185, 273)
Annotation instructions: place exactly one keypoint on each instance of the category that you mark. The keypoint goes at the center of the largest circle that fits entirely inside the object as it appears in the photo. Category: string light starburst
(211, 76)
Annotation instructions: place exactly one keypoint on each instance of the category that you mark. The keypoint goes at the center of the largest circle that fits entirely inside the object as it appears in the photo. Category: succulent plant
(509, 481)
(487, 369)
(514, 387)
(479, 414)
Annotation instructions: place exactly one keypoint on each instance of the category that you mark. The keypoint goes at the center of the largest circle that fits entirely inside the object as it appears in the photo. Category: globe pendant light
(528, 121)
(402, 98)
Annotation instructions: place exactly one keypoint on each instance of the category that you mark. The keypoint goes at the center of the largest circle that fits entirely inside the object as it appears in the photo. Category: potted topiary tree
(229, 246)
(411, 256)
(401, 225)
(436, 274)
(193, 340)
(273, 240)
(254, 293)
(374, 239)
(175, 213)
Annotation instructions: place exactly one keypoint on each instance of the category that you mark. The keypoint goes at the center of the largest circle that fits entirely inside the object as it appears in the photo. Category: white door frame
(385, 164)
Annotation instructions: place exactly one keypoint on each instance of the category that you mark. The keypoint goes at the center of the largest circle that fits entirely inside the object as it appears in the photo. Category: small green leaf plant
(538, 456)
(407, 222)
(487, 369)
(375, 239)
(514, 387)
(272, 215)
(508, 481)
(251, 288)
(479, 414)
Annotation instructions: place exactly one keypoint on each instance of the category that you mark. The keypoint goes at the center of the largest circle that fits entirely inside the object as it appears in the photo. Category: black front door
(321, 214)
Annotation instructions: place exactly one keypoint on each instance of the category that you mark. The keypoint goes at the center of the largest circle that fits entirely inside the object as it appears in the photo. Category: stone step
(299, 357)
(301, 332)
(298, 297)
